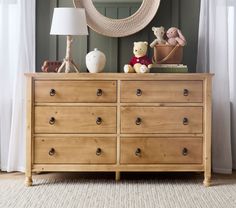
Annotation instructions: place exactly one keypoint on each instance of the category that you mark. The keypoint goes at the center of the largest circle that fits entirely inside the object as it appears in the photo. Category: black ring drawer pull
(52, 92)
(98, 151)
(138, 152)
(186, 92)
(185, 151)
(52, 121)
(51, 152)
(99, 121)
(138, 121)
(139, 92)
(185, 121)
(99, 92)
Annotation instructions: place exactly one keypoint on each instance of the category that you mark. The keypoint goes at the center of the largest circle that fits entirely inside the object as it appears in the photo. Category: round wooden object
(118, 27)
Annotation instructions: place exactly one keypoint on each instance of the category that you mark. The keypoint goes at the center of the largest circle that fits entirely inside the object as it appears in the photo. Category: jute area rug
(133, 191)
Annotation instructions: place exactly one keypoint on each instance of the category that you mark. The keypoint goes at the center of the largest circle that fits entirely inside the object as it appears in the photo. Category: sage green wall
(180, 13)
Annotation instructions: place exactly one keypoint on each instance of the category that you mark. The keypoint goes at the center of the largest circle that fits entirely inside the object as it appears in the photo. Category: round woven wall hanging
(119, 27)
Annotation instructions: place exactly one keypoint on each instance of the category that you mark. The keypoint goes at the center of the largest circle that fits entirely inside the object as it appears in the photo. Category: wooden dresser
(118, 122)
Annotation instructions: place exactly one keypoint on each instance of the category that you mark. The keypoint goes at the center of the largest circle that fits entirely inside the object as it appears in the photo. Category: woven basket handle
(168, 56)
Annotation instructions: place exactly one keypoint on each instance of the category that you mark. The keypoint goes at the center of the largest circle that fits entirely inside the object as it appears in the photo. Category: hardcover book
(169, 68)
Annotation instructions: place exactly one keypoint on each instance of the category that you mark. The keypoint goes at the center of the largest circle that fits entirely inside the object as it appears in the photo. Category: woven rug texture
(96, 193)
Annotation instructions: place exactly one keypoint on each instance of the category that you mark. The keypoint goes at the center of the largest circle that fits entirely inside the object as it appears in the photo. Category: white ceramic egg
(95, 61)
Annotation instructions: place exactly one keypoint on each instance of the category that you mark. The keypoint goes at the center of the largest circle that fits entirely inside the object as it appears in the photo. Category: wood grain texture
(161, 134)
(75, 119)
(207, 130)
(29, 131)
(121, 167)
(160, 150)
(120, 76)
(161, 120)
(162, 91)
(75, 91)
(80, 150)
(117, 176)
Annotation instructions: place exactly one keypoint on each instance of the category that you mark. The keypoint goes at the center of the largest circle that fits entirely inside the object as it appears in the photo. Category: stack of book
(169, 68)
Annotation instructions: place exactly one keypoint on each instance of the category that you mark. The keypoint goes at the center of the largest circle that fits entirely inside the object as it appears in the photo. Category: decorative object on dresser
(139, 63)
(159, 33)
(168, 46)
(95, 61)
(169, 68)
(119, 27)
(51, 66)
(168, 54)
(175, 37)
(69, 21)
(118, 122)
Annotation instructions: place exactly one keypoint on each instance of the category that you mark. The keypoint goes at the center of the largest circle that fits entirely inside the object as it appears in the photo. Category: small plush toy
(175, 36)
(159, 32)
(139, 63)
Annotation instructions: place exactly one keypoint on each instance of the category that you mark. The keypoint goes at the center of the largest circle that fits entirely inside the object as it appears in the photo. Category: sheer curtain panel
(216, 54)
(17, 56)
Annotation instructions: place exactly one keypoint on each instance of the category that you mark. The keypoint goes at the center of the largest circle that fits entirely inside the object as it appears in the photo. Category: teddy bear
(175, 36)
(159, 32)
(139, 63)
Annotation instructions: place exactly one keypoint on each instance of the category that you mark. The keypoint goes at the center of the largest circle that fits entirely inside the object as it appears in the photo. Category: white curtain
(216, 54)
(17, 56)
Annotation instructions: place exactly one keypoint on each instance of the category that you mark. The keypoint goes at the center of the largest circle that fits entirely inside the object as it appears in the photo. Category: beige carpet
(133, 191)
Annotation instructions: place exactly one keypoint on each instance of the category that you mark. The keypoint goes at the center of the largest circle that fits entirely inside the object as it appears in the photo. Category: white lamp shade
(69, 21)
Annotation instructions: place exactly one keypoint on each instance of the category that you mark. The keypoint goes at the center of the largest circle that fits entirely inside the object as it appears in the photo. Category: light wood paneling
(161, 120)
(75, 91)
(162, 91)
(161, 150)
(81, 150)
(75, 119)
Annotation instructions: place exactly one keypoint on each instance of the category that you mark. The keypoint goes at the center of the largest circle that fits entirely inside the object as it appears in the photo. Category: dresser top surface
(120, 76)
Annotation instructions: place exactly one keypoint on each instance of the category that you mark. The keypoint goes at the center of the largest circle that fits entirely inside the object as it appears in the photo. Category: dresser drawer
(74, 150)
(75, 119)
(161, 150)
(162, 91)
(75, 91)
(161, 120)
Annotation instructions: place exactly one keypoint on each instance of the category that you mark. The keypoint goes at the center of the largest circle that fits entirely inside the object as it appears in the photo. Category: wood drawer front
(161, 150)
(75, 119)
(75, 150)
(75, 91)
(162, 91)
(161, 119)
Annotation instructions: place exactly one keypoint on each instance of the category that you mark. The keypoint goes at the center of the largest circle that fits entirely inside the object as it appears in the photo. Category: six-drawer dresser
(118, 122)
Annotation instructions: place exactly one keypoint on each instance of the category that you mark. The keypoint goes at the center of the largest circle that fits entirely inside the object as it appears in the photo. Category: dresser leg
(28, 181)
(207, 181)
(117, 176)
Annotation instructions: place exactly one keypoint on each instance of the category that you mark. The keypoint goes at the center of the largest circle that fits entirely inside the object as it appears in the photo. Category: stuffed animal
(174, 37)
(139, 63)
(159, 32)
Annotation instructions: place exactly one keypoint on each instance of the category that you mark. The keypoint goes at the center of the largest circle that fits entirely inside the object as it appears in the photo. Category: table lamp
(69, 21)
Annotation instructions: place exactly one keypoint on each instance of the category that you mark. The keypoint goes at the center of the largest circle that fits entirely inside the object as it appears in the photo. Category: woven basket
(168, 54)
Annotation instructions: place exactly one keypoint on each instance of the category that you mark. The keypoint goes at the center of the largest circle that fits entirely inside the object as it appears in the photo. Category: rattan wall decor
(119, 27)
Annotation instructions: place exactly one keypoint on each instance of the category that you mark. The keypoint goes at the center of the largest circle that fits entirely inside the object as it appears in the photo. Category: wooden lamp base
(69, 66)
(68, 63)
